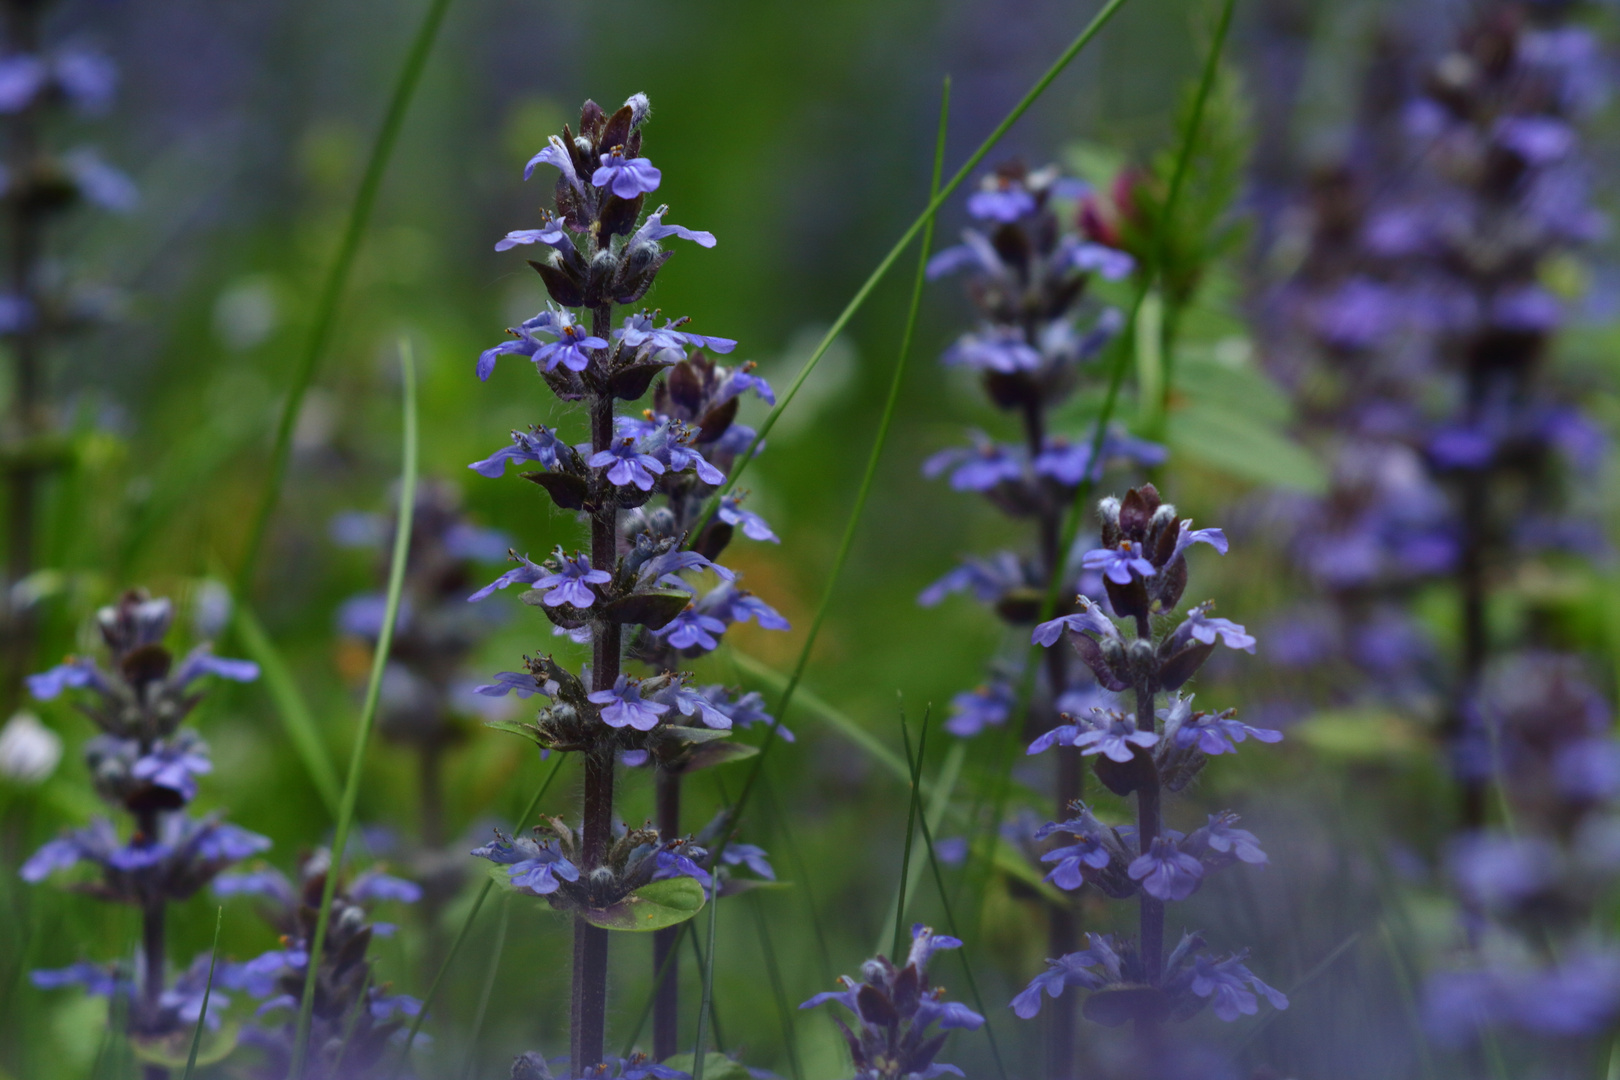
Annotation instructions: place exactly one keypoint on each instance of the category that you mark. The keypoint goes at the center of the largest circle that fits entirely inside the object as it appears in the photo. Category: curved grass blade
(489, 986)
(848, 539)
(1122, 349)
(466, 927)
(1178, 178)
(911, 828)
(773, 971)
(291, 708)
(699, 1048)
(208, 990)
(326, 305)
(933, 815)
(368, 710)
(950, 923)
(925, 220)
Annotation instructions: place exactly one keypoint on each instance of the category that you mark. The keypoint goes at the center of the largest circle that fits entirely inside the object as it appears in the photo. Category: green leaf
(651, 907)
(1366, 734)
(716, 753)
(715, 1066)
(291, 708)
(172, 1050)
(1243, 446)
(517, 727)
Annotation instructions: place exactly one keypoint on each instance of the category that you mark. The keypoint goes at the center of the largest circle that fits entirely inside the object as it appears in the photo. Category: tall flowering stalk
(39, 82)
(1416, 337)
(354, 1017)
(600, 250)
(895, 1012)
(700, 397)
(1538, 963)
(1147, 750)
(145, 765)
(1028, 271)
(426, 692)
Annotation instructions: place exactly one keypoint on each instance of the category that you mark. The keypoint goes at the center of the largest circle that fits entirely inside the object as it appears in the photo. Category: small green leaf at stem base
(651, 907)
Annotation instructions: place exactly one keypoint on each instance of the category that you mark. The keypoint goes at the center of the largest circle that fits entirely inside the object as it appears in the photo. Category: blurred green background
(800, 135)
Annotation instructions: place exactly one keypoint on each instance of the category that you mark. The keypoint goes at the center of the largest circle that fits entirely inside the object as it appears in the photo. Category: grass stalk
(326, 304)
(466, 928)
(208, 991)
(368, 710)
(911, 829)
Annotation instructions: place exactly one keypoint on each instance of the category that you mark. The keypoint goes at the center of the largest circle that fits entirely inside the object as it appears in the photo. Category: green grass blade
(714, 1006)
(489, 986)
(950, 924)
(291, 708)
(326, 305)
(939, 805)
(824, 711)
(700, 1048)
(368, 710)
(846, 542)
(773, 971)
(351, 1025)
(466, 927)
(1122, 356)
(911, 828)
(208, 991)
(1178, 178)
(925, 220)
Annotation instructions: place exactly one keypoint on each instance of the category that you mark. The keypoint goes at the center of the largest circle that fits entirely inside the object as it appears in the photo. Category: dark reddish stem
(27, 347)
(666, 1000)
(588, 1030)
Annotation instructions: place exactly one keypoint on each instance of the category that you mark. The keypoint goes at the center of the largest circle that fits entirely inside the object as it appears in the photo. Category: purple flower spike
(1113, 735)
(653, 230)
(569, 349)
(974, 710)
(623, 706)
(627, 465)
(1119, 564)
(520, 683)
(571, 584)
(626, 177)
(1002, 351)
(1228, 984)
(1006, 202)
(692, 630)
(1223, 837)
(1200, 627)
(556, 155)
(175, 767)
(1089, 617)
(550, 236)
(1166, 872)
(526, 573)
(753, 526)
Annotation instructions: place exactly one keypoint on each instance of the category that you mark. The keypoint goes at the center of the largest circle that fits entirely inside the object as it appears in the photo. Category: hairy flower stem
(27, 348)
(666, 958)
(1472, 588)
(153, 953)
(588, 1029)
(1149, 820)
(1063, 926)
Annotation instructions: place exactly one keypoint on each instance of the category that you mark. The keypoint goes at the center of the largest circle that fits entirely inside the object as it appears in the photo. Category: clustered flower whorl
(145, 765)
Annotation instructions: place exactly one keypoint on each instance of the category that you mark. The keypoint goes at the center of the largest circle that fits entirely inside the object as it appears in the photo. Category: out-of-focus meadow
(801, 136)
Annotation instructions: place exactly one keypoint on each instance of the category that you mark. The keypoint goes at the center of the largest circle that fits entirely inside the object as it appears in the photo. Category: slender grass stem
(700, 1047)
(923, 223)
(911, 828)
(326, 304)
(773, 971)
(471, 1060)
(950, 924)
(208, 990)
(368, 710)
(466, 927)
